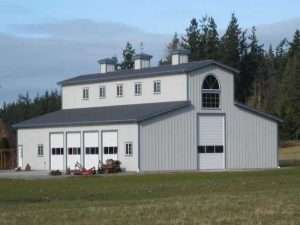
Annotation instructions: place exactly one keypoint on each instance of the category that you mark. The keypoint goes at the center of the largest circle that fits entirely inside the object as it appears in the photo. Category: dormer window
(211, 93)
(85, 93)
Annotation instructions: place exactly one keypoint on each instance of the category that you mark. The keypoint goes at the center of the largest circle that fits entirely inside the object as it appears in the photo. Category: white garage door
(110, 145)
(57, 151)
(73, 150)
(91, 149)
(211, 143)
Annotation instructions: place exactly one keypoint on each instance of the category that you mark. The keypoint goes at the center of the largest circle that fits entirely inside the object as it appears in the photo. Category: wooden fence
(8, 159)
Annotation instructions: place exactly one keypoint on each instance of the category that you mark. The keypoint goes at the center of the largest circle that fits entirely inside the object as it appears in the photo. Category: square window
(210, 149)
(102, 93)
(106, 150)
(219, 149)
(210, 100)
(111, 150)
(157, 87)
(201, 149)
(115, 150)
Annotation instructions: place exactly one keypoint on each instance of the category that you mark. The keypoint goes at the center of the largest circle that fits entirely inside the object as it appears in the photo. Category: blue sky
(152, 16)
(43, 42)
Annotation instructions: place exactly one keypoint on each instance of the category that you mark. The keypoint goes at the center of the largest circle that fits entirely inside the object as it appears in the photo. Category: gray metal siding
(170, 143)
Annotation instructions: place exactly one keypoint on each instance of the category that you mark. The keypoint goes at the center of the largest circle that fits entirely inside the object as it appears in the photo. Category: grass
(257, 197)
(290, 155)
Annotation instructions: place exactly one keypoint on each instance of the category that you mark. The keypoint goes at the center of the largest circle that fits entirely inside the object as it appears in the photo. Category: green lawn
(260, 197)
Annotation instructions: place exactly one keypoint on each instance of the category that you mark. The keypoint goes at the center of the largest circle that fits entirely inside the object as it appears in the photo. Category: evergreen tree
(211, 40)
(290, 91)
(128, 53)
(191, 40)
(174, 44)
(230, 44)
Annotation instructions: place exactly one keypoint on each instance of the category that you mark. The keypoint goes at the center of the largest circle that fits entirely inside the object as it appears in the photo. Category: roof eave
(262, 114)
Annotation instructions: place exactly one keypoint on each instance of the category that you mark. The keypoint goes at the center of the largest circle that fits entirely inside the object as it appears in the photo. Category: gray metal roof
(142, 56)
(107, 61)
(259, 113)
(146, 72)
(181, 51)
(102, 115)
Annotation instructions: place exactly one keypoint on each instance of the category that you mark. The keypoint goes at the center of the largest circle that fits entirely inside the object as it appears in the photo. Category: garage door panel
(73, 149)
(57, 151)
(211, 142)
(91, 149)
(110, 145)
(211, 130)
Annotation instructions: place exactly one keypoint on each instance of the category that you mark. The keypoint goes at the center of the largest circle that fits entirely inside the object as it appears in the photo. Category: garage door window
(57, 151)
(92, 150)
(210, 93)
(74, 151)
(210, 149)
(110, 150)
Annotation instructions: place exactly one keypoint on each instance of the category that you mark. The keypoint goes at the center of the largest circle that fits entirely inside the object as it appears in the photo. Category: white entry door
(91, 149)
(20, 156)
(110, 145)
(211, 142)
(57, 151)
(73, 150)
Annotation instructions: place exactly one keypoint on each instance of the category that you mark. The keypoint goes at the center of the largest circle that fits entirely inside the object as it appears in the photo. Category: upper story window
(156, 87)
(119, 90)
(85, 93)
(102, 93)
(211, 93)
(138, 89)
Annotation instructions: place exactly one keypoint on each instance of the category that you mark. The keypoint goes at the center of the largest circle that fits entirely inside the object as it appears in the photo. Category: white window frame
(85, 93)
(40, 151)
(128, 148)
(138, 88)
(120, 90)
(103, 88)
(210, 92)
(155, 83)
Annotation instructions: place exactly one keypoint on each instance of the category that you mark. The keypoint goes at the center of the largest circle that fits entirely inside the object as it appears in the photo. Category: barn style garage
(174, 117)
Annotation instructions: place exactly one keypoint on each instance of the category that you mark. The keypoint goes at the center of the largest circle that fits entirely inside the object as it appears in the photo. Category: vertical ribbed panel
(170, 143)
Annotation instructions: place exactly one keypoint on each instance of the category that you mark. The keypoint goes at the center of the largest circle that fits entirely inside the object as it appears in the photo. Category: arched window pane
(210, 92)
(210, 82)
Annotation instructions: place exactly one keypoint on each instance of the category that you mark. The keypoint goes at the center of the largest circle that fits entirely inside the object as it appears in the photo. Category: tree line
(269, 78)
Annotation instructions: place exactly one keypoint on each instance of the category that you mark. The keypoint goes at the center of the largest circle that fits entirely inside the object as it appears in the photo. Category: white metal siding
(172, 89)
(169, 142)
(29, 138)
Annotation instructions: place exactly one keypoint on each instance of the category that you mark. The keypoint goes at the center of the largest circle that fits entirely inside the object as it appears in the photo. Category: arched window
(210, 92)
